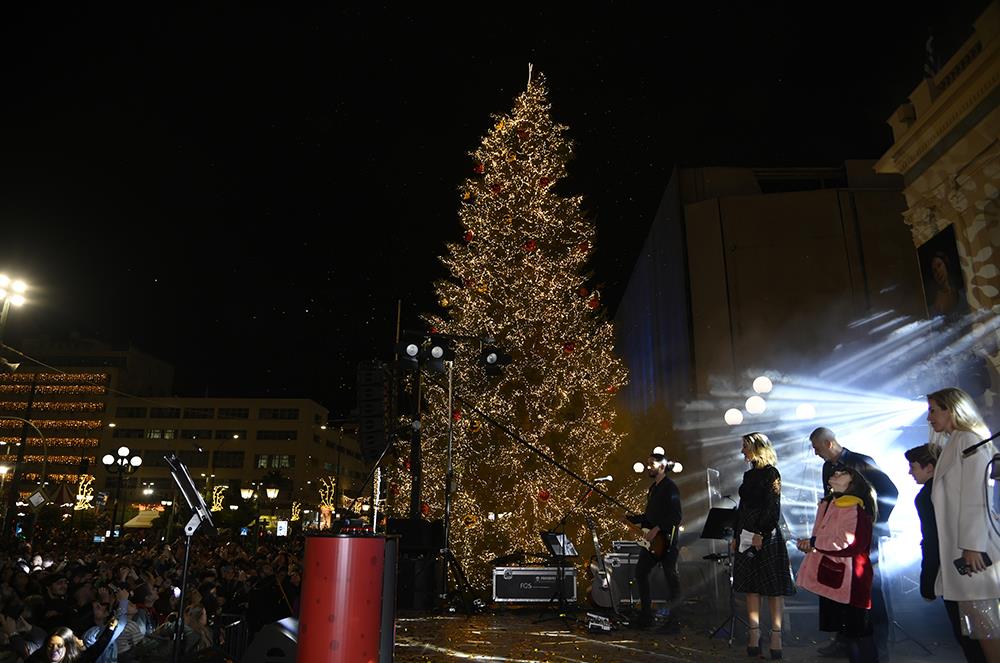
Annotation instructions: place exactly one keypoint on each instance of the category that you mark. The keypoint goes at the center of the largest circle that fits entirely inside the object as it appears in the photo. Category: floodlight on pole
(12, 294)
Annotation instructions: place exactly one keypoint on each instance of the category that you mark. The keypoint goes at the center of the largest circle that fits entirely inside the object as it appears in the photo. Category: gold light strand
(327, 492)
(296, 511)
(84, 494)
(516, 276)
(218, 497)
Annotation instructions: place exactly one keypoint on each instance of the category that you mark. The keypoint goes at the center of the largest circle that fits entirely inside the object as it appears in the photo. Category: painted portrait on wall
(944, 285)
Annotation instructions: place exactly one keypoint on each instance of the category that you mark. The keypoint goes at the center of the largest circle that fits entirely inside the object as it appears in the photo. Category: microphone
(600, 479)
(968, 451)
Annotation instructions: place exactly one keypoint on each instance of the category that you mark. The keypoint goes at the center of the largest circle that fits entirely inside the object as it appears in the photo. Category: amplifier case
(531, 584)
(622, 569)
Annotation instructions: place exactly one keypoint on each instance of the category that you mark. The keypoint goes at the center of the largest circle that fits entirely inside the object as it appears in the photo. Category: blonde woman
(964, 531)
(762, 568)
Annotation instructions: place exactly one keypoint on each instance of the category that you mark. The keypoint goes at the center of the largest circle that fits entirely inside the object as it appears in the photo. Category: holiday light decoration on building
(328, 492)
(84, 493)
(218, 497)
(518, 277)
(296, 511)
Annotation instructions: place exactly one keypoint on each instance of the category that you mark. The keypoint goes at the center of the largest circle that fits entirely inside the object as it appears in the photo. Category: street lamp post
(124, 463)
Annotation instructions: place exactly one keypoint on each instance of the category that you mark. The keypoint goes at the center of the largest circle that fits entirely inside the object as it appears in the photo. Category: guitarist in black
(662, 517)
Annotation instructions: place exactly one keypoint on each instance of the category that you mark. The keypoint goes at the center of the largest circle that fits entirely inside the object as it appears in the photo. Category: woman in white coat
(964, 530)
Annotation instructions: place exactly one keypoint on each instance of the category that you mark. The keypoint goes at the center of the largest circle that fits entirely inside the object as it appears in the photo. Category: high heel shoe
(775, 653)
(754, 651)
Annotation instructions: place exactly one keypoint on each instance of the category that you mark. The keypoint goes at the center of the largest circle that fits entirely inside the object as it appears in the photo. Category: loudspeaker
(622, 568)
(275, 643)
(417, 582)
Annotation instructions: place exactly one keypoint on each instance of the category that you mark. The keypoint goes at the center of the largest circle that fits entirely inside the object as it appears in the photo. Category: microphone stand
(968, 451)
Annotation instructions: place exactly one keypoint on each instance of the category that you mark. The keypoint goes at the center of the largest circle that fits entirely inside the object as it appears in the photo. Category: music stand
(200, 515)
(559, 547)
(721, 525)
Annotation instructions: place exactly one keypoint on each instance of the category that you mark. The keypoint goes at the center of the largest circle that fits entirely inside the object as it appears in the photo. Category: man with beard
(662, 518)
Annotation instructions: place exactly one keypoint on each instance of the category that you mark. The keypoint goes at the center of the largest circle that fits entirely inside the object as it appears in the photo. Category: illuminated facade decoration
(946, 148)
(218, 497)
(84, 493)
(83, 413)
(517, 274)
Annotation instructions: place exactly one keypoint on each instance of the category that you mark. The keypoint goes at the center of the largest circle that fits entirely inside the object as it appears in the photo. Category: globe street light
(12, 293)
(124, 463)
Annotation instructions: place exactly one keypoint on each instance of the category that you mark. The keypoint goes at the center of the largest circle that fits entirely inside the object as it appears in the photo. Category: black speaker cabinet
(417, 582)
(621, 566)
(275, 643)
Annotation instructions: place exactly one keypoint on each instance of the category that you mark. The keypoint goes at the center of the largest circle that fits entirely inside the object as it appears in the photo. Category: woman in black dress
(761, 568)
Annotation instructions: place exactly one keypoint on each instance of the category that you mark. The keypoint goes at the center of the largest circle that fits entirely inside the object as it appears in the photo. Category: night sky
(247, 192)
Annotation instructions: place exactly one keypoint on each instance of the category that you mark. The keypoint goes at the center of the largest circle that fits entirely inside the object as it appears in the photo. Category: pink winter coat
(839, 566)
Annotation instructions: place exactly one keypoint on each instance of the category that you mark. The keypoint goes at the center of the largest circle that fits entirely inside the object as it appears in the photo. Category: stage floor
(512, 635)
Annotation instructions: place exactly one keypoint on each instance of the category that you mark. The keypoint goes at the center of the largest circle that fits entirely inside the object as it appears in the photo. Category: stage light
(805, 411)
(756, 405)
(676, 467)
(734, 417)
(762, 385)
(123, 451)
(493, 359)
(659, 450)
(638, 467)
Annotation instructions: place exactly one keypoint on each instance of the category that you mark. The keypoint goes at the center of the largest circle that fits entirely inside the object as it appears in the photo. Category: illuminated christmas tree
(518, 278)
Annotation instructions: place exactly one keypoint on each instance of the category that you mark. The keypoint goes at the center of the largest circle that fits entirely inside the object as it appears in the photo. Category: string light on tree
(546, 366)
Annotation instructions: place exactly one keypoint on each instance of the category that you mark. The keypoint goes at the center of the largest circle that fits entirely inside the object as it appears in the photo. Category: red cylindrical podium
(341, 604)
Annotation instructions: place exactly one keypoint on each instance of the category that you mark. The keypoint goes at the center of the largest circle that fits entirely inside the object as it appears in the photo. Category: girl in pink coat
(838, 567)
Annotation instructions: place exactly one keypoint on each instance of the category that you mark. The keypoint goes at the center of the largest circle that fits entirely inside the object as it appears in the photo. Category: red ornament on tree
(468, 236)
(394, 491)
(425, 509)
(605, 425)
(434, 330)
(406, 464)
(456, 415)
(582, 291)
(612, 389)
(583, 247)
(495, 188)
(543, 495)
(530, 245)
(569, 347)
(543, 181)
(593, 302)
(522, 134)
(478, 169)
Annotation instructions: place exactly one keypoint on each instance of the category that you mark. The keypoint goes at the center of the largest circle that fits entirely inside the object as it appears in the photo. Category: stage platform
(511, 634)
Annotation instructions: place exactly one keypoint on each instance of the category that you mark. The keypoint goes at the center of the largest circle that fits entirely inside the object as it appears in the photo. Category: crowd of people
(63, 602)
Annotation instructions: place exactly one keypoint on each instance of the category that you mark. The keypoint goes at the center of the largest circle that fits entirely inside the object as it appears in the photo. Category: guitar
(660, 542)
(602, 589)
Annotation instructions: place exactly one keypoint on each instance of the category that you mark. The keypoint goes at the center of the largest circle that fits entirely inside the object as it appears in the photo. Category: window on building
(193, 458)
(196, 434)
(234, 413)
(128, 432)
(228, 459)
(279, 461)
(154, 458)
(154, 433)
(164, 413)
(274, 461)
(169, 433)
(199, 413)
(277, 435)
(130, 412)
(230, 435)
(289, 413)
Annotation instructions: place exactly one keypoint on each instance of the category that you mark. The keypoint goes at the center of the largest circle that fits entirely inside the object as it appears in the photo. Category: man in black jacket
(662, 518)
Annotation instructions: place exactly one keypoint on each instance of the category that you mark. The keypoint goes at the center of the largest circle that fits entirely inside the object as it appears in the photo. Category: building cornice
(956, 102)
